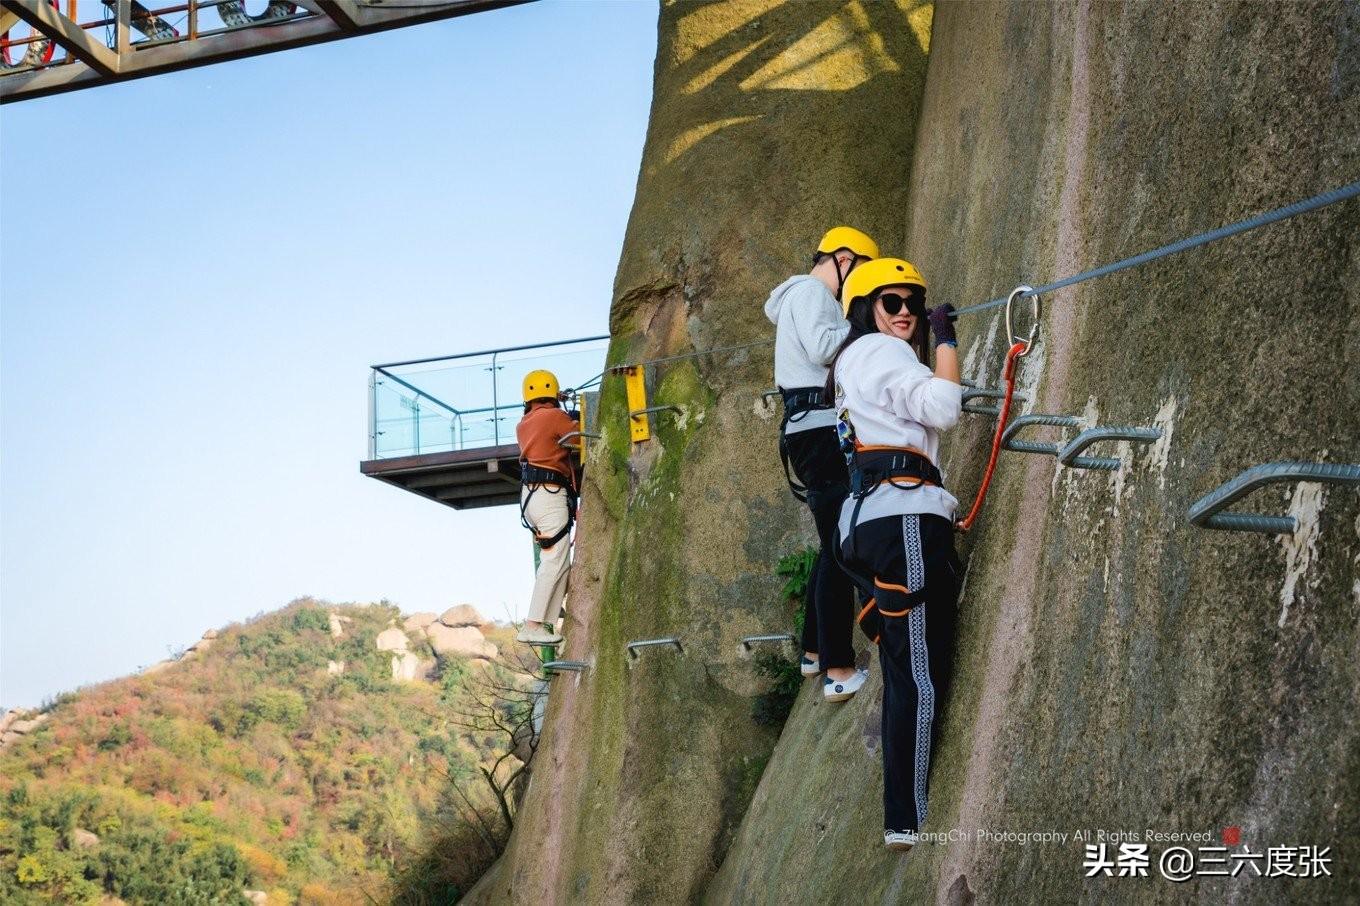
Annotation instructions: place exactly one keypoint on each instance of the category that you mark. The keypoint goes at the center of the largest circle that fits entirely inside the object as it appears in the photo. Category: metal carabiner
(1016, 293)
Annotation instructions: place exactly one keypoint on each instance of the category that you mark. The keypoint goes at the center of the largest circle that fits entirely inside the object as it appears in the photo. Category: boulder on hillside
(258, 897)
(210, 634)
(27, 726)
(406, 667)
(461, 641)
(462, 615)
(83, 839)
(10, 717)
(335, 668)
(337, 624)
(418, 621)
(392, 639)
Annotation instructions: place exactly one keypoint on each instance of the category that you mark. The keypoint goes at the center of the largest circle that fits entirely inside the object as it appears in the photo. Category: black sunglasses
(893, 303)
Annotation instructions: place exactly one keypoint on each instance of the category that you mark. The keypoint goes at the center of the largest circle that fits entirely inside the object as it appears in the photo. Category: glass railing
(468, 401)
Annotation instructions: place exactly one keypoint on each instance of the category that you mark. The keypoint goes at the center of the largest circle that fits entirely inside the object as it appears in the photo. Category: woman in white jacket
(896, 528)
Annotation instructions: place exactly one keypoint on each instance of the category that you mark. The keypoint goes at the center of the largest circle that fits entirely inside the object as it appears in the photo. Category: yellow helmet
(540, 384)
(875, 275)
(844, 237)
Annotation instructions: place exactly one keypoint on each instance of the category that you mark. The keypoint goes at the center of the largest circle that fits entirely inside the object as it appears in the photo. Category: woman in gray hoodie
(809, 327)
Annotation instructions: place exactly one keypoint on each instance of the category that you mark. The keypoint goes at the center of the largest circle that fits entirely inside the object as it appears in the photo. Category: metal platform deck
(462, 479)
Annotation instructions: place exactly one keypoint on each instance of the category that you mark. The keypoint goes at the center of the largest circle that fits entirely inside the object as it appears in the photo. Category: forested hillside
(280, 762)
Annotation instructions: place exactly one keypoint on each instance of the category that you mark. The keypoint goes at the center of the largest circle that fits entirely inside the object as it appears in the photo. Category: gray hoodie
(809, 327)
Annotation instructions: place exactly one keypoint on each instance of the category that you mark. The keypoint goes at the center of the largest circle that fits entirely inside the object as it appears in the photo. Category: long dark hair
(861, 318)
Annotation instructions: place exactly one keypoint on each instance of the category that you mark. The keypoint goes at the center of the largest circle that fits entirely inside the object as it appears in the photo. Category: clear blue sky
(196, 270)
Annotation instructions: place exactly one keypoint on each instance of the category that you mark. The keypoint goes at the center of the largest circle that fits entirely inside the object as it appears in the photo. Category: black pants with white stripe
(829, 615)
(915, 574)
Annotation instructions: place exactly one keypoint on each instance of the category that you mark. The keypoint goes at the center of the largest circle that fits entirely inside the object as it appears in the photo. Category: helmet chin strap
(841, 278)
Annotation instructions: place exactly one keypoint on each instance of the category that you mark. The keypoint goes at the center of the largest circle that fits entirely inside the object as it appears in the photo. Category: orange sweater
(539, 432)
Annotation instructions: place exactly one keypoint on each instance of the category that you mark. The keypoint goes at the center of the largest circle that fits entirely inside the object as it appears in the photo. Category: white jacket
(886, 397)
(809, 327)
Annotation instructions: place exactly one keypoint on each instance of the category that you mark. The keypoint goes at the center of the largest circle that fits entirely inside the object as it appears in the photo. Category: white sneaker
(538, 636)
(840, 690)
(809, 666)
(899, 841)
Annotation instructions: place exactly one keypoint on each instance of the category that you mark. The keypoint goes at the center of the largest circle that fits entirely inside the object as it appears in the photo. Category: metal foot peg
(1070, 454)
(634, 647)
(1207, 511)
(984, 393)
(751, 640)
(553, 668)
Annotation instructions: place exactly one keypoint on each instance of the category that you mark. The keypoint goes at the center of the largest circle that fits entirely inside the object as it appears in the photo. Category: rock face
(770, 122)
(1101, 637)
(337, 624)
(463, 641)
(462, 615)
(392, 639)
(406, 666)
(17, 723)
(10, 717)
(418, 621)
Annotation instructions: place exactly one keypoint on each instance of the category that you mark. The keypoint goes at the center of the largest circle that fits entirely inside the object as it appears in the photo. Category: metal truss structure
(126, 39)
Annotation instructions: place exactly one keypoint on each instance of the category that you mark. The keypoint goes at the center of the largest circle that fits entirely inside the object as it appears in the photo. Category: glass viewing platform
(444, 428)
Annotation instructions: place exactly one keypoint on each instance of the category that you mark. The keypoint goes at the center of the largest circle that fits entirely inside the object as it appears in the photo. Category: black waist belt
(870, 468)
(529, 474)
(799, 401)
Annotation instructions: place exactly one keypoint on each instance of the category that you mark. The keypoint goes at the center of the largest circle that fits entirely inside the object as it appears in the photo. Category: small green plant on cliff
(796, 568)
(772, 707)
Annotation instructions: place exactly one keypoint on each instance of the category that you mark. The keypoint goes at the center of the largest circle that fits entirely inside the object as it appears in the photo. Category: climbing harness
(871, 467)
(537, 479)
(1019, 349)
(798, 402)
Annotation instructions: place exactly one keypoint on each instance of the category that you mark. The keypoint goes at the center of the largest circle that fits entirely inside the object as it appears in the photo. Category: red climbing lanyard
(966, 522)
(1019, 349)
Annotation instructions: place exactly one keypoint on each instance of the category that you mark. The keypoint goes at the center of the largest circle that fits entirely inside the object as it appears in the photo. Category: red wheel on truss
(39, 53)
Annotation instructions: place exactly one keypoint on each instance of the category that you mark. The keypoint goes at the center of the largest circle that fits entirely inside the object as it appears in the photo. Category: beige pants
(546, 511)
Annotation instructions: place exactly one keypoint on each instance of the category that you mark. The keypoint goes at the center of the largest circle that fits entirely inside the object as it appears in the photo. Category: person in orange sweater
(547, 502)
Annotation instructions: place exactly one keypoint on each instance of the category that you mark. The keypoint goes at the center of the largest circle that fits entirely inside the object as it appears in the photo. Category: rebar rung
(1206, 512)
(552, 668)
(632, 647)
(1068, 455)
(637, 413)
(562, 441)
(757, 639)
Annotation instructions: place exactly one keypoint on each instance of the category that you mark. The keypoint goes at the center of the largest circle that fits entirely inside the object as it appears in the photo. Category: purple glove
(942, 320)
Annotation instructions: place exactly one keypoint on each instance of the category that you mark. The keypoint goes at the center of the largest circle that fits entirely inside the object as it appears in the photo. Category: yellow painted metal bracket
(635, 380)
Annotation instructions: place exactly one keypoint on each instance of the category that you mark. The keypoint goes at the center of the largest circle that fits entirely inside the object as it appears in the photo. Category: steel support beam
(330, 20)
(344, 13)
(68, 34)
